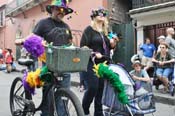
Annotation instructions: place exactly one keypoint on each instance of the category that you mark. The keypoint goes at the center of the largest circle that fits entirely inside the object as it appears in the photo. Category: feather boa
(33, 44)
(103, 71)
(36, 79)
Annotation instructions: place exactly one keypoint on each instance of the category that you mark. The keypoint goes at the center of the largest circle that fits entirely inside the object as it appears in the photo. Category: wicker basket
(59, 59)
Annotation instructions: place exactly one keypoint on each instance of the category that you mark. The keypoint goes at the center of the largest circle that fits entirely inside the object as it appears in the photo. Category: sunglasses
(102, 14)
(61, 10)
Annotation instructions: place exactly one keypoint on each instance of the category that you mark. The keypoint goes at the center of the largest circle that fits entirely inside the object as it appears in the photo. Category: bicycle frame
(50, 89)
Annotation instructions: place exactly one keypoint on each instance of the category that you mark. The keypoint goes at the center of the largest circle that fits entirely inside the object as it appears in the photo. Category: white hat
(136, 62)
(135, 57)
(161, 37)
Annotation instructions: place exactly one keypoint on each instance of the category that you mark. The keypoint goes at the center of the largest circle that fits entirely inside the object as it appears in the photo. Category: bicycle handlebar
(93, 57)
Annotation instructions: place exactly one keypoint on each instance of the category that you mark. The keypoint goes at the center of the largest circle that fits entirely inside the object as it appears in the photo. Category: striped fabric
(144, 104)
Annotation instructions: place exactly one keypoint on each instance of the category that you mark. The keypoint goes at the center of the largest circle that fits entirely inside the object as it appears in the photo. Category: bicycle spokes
(20, 102)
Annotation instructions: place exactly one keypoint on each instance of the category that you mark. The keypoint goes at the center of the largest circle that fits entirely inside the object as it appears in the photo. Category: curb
(165, 99)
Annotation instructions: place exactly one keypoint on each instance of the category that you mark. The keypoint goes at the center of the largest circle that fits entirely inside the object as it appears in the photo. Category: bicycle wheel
(67, 103)
(20, 99)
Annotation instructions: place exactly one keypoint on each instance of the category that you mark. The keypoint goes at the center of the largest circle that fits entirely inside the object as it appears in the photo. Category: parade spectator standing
(95, 38)
(9, 60)
(171, 45)
(1, 56)
(164, 65)
(2, 63)
(54, 29)
(82, 83)
(148, 52)
(24, 53)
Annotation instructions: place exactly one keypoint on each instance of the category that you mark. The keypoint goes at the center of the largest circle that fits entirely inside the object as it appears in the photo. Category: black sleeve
(70, 33)
(108, 43)
(86, 36)
(38, 29)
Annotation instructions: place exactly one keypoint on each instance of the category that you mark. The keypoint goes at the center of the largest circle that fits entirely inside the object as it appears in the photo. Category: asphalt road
(6, 80)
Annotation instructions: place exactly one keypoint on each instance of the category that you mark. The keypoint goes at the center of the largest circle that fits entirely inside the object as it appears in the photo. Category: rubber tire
(74, 99)
(16, 80)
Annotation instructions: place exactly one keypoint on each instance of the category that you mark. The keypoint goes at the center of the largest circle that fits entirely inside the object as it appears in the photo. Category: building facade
(152, 17)
(20, 16)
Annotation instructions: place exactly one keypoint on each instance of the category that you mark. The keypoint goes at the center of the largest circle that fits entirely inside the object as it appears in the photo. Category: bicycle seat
(25, 62)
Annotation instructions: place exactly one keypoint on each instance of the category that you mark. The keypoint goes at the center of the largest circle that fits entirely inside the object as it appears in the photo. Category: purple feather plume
(33, 44)
(26, 85)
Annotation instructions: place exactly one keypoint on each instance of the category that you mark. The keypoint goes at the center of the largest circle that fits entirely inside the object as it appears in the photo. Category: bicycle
(21, 103)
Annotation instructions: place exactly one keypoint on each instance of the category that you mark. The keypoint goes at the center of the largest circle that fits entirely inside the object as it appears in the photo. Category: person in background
(1, 56)
(54, 29)
(114, 36)
(164, 65)
(161, 40)
(141, 78)
(9, 60)
(148, 52)
(82, 83)
(95, 38)
(171, 43)
(24, 53)
(139, 75)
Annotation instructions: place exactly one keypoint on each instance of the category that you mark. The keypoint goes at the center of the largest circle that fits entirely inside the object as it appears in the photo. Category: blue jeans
(164, 72)
(65, 83)
(173, 79)
(82, 83)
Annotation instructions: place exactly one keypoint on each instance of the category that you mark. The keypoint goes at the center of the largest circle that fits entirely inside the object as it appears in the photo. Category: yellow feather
(29, 80)
(42, 58)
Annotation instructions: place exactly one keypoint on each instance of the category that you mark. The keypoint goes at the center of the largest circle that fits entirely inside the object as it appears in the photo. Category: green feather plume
(45, 75)
(102, 70)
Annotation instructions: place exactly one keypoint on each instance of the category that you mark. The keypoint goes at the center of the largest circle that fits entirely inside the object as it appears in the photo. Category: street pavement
(6, 79)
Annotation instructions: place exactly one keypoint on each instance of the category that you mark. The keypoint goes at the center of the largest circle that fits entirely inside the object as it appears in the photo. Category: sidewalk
(164, 98)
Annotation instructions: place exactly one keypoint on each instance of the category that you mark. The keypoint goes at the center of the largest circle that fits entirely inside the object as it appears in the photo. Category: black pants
(94, 91)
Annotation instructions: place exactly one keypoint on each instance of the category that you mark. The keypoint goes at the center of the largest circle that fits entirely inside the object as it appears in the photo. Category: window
(2, 18)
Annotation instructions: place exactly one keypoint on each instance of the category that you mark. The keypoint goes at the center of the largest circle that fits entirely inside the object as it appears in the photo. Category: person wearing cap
(160, 39)
(95, 38)
(138, 74)
(54, 29)
(164, 65)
